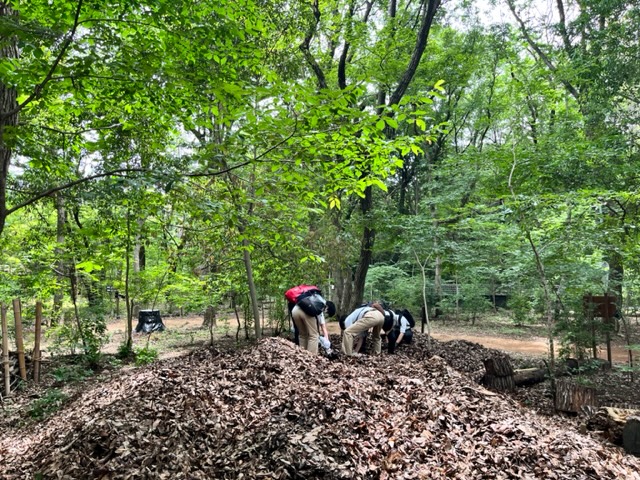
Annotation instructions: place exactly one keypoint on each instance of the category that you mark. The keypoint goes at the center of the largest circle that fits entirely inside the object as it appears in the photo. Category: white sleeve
(404, 324)
(354, 316)
(320, 318)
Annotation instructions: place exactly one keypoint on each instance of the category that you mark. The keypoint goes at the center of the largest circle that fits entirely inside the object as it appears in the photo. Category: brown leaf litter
(275, 411)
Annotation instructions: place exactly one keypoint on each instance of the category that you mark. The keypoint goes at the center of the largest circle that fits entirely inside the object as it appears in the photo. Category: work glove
(326, 344)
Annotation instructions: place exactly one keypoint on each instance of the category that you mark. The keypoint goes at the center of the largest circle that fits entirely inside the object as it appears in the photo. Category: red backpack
(294, 294)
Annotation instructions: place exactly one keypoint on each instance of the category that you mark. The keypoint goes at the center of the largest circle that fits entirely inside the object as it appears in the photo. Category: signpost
(603, 306)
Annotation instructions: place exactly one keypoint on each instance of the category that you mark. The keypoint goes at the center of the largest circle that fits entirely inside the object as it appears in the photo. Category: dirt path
(537, 346)
(532, 346)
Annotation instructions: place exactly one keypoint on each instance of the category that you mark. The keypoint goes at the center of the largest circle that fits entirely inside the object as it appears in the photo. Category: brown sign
(603, 306)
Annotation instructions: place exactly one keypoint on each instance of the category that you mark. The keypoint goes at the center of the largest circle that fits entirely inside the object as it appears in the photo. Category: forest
(428, 153)
(446, 156)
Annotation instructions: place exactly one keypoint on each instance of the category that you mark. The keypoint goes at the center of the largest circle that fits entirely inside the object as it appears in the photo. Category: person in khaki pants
(309, 326)
(373, 318)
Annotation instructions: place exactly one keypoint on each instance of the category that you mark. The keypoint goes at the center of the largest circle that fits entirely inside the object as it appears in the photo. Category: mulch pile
(274, 411)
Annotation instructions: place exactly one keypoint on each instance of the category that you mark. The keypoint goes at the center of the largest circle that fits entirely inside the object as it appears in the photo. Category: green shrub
(520, 306)
(71, 373)
(63, 339)
(125, 352)
(145, 355)
(66, 338)
(46, 405)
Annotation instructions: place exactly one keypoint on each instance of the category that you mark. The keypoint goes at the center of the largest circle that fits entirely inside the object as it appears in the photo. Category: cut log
(571, 397)
(529, 376)
(499, 373)
(503, 384)
(631, 435)
(611, 422)
(498, 366)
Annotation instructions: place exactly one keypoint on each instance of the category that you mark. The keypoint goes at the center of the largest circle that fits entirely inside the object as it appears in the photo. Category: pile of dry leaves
(274, 411)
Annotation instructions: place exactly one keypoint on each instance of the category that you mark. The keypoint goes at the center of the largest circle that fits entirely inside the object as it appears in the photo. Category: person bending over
(376, 319)
(310, 326)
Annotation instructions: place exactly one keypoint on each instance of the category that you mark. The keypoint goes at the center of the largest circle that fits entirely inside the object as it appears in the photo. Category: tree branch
(38, 89)
(421, 43)
(562, 26)
(304, 47)
(242, 164)
(59, 188)
(77, 132)
(110, 173)
(541, 55)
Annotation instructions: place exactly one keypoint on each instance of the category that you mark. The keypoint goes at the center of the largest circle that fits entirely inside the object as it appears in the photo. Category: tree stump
(499, 373)
(571, 397)
(631, 436)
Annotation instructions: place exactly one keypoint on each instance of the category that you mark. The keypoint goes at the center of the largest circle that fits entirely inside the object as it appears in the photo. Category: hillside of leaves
(274, 411)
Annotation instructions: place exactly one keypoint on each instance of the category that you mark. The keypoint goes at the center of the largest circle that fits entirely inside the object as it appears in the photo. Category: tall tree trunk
(142, 255)
(429, 11)
(366, 250)
(127, 271)
(91, 286)
(57, 315)
(343, 280)
(73, 281)
(8, 95)
(252, 289)
(549, 306)
(137, 248)
(581, 89)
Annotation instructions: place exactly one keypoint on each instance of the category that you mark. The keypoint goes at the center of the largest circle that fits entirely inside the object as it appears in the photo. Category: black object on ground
(149, 321)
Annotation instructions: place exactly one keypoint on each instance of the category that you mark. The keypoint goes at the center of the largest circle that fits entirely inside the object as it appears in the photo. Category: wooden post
(17, 315)
(609, 354)
(5, 350)
(36, 346)
(607, 321)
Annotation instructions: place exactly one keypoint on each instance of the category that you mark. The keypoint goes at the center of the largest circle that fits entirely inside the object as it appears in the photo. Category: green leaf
(392, 122)
(88, 266)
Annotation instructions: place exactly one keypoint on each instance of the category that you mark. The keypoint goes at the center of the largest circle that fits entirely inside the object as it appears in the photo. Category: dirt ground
(184, 335)
(531, 345)
(117, 333)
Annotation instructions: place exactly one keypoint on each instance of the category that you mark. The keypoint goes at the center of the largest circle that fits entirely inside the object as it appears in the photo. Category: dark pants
(393, 335)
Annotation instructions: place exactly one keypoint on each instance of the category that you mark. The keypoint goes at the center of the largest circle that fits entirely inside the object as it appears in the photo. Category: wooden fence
(19, 344)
